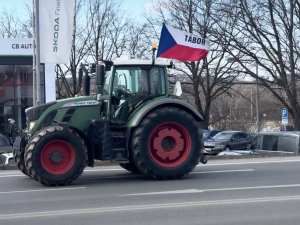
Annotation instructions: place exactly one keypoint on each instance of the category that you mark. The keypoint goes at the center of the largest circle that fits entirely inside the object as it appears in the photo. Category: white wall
(50, 89)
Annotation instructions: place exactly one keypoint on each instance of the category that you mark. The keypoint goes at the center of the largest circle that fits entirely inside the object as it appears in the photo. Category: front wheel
(56, 156)
(167, 144)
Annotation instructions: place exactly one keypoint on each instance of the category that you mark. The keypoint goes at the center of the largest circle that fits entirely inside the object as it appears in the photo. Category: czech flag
(180, 45)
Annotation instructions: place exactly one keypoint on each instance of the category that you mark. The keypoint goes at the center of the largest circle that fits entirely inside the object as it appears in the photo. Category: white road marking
(187, 191)
(250, 188)
(97, 170)
(226, 171)
(191, 191)
(40, 190)
(15, 216)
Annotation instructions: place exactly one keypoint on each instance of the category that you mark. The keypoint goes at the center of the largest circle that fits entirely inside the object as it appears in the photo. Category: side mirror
(100, 75)
(232, 139)
(177, 91)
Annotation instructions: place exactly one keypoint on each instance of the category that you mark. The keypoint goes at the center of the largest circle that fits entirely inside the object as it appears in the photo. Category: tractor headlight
(31, 125)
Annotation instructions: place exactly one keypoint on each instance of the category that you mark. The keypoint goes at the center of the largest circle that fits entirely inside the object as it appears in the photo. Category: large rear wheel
(56, 156)
(167, 144)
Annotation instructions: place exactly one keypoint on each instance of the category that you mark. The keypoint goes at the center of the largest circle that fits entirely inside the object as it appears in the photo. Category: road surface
(252, 191)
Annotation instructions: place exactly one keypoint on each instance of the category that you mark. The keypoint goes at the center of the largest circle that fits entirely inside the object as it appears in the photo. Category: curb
(261, 156)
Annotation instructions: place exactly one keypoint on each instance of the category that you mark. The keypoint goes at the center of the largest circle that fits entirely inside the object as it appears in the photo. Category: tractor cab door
(132, 85)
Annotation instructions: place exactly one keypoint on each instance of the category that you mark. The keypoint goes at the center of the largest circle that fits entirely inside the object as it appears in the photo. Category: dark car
(4, 144)
(226, 141)
(208, 134)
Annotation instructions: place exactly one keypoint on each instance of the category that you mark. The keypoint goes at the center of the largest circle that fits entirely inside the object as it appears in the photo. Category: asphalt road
(253, 191)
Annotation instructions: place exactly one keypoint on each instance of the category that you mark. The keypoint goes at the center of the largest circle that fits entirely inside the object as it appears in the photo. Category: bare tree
(211, 77)
(138, 40)
(9, 24)
(107, 23)
(266, 32)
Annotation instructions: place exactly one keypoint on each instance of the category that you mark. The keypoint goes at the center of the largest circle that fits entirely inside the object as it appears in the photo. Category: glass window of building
(16, 89)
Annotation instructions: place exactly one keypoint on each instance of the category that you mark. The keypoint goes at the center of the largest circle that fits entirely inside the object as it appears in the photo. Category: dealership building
(16, 80)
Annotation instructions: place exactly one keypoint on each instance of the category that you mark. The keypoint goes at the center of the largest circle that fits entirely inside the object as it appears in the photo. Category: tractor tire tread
(21, 163)
(33, 141)
(136, 149)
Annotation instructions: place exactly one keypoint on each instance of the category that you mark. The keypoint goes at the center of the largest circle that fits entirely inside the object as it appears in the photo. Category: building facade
(16, 80)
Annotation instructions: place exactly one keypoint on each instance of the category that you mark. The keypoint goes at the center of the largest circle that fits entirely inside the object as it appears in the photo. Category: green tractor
(133, 120)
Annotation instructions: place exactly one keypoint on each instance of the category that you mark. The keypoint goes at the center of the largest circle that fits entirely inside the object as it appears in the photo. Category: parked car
(208, 134)
(7, 158)
(4, 144)
(276, 142)
(226, 141)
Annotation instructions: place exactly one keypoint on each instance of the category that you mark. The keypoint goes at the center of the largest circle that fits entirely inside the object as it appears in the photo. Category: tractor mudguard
(86, 140)
(139, 114)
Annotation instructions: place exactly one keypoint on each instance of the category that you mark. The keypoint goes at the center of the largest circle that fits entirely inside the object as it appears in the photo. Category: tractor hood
(38, 113)
(35, 112)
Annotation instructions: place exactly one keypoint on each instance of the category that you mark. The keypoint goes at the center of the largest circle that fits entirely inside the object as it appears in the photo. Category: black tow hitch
(203, 158)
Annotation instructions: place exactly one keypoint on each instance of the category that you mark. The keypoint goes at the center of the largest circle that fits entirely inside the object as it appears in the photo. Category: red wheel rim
(58, 157)
(169, 144)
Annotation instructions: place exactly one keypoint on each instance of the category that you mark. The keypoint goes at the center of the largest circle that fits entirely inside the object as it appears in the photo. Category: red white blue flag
(180, 45)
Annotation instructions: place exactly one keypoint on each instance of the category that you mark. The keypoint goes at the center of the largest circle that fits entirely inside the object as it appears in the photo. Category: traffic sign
(285, 115)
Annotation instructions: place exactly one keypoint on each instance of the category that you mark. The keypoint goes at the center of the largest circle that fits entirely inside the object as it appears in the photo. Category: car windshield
(206, 134)
(222, 136)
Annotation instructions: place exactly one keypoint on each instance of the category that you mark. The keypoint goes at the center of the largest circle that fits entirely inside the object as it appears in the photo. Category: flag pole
(33, 55)
(37, 36)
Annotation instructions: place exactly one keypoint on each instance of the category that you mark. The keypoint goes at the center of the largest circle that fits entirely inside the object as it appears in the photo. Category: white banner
(56, 29)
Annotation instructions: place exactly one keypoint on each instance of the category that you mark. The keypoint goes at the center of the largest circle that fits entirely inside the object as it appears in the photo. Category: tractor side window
(157, 81)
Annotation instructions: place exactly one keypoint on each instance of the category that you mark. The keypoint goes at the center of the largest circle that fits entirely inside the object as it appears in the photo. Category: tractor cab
(125, 85)
(130, 83)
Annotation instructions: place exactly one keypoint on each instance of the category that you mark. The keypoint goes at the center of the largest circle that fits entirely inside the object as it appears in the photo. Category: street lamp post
(257, 94)
(257, 99)
(251, 105)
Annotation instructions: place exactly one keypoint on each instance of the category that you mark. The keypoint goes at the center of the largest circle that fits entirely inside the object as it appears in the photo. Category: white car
(7, 158)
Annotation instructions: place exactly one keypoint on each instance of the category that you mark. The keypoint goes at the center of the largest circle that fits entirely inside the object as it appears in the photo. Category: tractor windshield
(134, 84)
